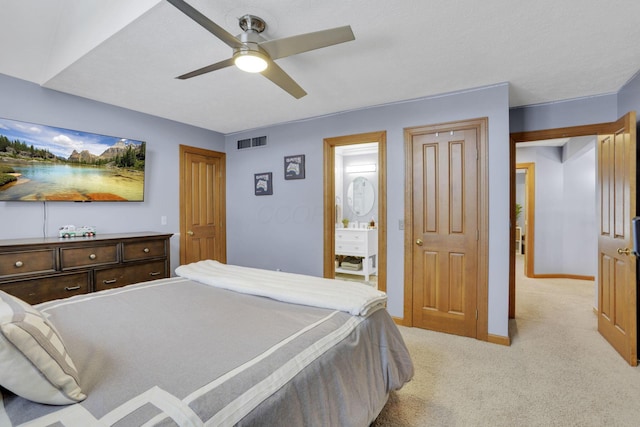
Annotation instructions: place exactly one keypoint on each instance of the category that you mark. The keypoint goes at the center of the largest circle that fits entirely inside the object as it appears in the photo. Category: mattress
(180, 352)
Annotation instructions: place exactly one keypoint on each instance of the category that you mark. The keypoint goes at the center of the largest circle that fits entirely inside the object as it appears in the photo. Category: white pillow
(34, 362)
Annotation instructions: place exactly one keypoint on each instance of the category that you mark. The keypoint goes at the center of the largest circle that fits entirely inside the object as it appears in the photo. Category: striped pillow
(34, 362)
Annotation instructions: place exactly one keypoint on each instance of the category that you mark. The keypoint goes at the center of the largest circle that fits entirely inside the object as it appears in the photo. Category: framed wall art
(263, 184)
(294, 167)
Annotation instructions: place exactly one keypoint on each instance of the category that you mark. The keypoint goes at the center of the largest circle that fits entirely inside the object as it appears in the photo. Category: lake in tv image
(44, 163)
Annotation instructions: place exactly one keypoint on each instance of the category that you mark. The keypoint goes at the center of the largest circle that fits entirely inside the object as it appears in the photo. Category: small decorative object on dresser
(73, 231)
(294, 167)
(41, 269)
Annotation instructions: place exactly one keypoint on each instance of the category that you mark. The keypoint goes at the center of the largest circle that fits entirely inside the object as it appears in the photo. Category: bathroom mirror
(360, 196)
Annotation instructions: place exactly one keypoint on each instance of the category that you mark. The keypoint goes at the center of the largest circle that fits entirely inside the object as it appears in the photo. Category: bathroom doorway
(355, 208)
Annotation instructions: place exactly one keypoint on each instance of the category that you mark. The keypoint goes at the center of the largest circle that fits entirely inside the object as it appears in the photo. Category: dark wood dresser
(41, 269)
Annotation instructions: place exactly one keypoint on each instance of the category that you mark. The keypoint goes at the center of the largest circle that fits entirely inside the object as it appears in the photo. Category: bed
(217, 345)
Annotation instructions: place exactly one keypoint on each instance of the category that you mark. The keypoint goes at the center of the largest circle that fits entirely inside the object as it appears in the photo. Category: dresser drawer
(23, 262)
(35, 291)
(143, 250)
(89, 256)
(351, 248)
(121, 276)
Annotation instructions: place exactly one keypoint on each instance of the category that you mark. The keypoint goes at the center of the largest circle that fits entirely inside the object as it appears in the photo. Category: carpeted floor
(558, 370)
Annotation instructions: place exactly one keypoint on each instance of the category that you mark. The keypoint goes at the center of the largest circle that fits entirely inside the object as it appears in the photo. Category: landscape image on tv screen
(45, 163)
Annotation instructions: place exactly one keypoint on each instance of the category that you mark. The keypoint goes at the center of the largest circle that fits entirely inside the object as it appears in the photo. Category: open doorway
(524, 208)
(355, 208)
(357, 213)
(616, 275)
(555, 187)
(548, 158)
(555, 212)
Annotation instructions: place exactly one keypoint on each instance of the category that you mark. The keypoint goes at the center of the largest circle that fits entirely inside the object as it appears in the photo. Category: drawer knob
(108, 282)
(92, 256)
(145, 250)
(71, 288)
(154, 273)
(19, 264)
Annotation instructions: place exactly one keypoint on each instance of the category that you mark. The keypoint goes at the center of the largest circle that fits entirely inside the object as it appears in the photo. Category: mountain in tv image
(44, 163)
(117, 150)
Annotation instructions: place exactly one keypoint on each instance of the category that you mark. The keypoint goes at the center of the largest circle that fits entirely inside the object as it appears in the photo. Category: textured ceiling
(128, 53)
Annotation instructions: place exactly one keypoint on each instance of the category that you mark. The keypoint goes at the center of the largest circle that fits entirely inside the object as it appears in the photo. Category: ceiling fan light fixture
(250, 61)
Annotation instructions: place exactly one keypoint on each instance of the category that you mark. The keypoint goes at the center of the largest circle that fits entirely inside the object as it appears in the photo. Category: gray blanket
(177, 352)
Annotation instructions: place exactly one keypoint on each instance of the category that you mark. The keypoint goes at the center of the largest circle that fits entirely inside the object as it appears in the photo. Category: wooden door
(617, 292)
(446, 228)
(202, 205)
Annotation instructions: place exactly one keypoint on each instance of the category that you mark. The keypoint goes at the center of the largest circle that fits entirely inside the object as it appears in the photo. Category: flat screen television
(45, 163)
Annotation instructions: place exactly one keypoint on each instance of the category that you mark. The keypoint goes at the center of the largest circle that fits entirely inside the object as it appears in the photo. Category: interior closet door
(445, 227)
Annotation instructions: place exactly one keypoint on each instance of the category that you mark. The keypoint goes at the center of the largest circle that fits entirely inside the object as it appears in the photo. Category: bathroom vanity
(359, 242)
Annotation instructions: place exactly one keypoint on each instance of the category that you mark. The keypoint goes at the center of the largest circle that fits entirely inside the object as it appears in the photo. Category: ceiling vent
(258, 141)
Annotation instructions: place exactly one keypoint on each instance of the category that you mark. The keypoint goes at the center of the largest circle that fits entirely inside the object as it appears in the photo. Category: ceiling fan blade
(207, 23)
(288, 46)
(282, 79)
(207, 69)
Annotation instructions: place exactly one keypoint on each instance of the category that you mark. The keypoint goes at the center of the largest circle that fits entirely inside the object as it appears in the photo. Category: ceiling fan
(253, 53)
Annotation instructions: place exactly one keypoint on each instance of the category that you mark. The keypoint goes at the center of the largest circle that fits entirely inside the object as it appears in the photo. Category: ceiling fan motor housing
(252, 23)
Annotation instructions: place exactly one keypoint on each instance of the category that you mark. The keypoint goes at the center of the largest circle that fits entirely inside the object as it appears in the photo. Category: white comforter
(351, 297)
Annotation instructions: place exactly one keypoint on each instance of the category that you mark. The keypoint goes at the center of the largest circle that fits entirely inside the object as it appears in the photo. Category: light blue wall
(576, 112)
(629, 96)
(573, 112)
(579, 231)
(565, 209)
(21, 100)
(286, 230)
(548, 206)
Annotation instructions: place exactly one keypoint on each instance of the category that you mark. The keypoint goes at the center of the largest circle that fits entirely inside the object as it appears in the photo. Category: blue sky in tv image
(57, 164)
(58, 141)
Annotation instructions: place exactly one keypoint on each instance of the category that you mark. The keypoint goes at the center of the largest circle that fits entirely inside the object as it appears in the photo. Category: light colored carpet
(558, 370)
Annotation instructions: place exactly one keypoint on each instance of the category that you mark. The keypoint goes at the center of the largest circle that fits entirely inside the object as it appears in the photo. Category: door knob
(625, 251)
(190, 233)
(419, 242)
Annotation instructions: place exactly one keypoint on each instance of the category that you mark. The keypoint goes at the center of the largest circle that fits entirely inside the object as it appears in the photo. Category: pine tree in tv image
(44, 163)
